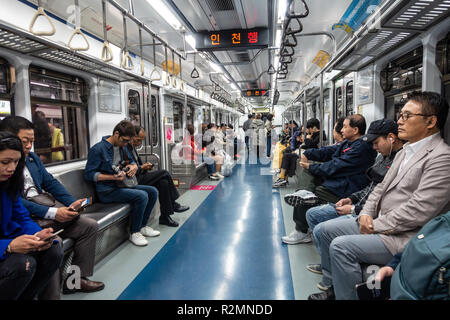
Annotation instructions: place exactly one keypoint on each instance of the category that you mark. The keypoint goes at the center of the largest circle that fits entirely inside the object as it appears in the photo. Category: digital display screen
(232, 39)
(254, 93)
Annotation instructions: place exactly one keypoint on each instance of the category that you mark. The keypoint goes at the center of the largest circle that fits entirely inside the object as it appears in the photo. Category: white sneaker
(219, 175)
(138, 239)
(297, 237)
(149, 232)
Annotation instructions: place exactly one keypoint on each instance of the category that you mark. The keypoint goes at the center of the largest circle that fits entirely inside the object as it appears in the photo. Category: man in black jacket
(384, 137)
(161, 179)
(340, 173)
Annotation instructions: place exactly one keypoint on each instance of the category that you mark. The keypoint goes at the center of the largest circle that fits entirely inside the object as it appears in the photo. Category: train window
(155, 122)
(349, 98)
(189, 115)
(109, 97)
(206, 113)
(59, 114)
(443, 55)
(404, 73)
(6, 80)
(177, 118)
(339, 103)
(134, 107)
(60, 132)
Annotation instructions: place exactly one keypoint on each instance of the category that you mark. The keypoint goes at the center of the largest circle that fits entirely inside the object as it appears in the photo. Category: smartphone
(83, 205)
(364, 293)
(86, 203)
(52, 236)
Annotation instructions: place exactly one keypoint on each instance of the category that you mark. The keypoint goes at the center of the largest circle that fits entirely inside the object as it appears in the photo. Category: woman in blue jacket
(27, 261)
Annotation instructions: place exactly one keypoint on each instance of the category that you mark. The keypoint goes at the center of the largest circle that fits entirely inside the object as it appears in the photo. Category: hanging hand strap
(107, 54)
(127, 62)
(77, 31)
(41, 12)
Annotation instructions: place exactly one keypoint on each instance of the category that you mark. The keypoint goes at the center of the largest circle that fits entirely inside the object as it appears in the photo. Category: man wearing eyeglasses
(103, 157)
(414, 191)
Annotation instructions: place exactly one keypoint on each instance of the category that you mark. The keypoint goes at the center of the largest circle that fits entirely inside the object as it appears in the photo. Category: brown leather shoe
(86, 285)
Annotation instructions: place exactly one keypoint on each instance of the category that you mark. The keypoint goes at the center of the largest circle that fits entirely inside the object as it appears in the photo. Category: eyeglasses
(405, 116)
(125, 140)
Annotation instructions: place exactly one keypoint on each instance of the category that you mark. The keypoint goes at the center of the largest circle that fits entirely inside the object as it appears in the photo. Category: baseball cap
(380, 128)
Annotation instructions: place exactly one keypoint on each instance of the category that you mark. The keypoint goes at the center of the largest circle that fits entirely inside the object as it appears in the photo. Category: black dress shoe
(325, 295)
(168, 221)
(179, 208)
(86, 285)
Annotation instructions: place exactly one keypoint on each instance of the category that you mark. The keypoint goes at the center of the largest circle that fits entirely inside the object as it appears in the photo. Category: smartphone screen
(53, 236)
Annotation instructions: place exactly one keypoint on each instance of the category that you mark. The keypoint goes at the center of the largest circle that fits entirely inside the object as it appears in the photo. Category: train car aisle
(230, 248)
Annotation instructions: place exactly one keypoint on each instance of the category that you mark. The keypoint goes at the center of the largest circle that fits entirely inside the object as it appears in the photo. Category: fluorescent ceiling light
(191, 41)
(282, 6)
(225, 79)
(278, 36)
(215, 67)
(165, 13)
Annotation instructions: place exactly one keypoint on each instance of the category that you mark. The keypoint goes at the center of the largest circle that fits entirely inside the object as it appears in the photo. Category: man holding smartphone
(82, 230)
(161, 179)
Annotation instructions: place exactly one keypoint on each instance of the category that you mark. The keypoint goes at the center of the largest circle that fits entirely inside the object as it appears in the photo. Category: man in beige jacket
(415, 190)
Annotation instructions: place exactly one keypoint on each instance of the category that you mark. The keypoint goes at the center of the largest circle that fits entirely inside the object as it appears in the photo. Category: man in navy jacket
(83, 230)
(341, 172)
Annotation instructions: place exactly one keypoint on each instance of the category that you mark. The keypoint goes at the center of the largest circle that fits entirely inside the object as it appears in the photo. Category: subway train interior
(183, 69)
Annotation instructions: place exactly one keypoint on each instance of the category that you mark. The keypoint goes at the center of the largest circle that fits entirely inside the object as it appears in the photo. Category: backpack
(424, 269)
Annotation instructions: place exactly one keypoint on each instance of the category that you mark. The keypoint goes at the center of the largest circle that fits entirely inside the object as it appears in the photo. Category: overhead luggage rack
(28, 44)
(411, 18)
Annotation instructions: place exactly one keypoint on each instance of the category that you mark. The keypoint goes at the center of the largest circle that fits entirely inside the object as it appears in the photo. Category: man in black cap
(383, 134)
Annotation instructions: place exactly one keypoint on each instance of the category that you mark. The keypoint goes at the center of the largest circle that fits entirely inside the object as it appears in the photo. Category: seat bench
(112, 218)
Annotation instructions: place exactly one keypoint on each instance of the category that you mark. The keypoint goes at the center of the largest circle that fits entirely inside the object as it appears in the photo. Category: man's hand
(147, 166)
(119, 176)
(133, 168)
(64, 214)
(383, 273)
(343, 202)
(26, 243)
(343, 210)
(43, 234)
(303, 158)
(366, 224)
(76, 204)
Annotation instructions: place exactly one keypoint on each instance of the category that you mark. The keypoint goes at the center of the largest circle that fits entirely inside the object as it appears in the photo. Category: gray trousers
(342, 249)
(84, 234)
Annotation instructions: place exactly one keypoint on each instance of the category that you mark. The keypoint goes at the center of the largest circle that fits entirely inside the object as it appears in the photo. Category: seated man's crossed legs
(342, 250)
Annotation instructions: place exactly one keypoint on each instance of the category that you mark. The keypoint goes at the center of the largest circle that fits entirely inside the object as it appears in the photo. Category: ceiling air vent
(221, 5)
(242, 57)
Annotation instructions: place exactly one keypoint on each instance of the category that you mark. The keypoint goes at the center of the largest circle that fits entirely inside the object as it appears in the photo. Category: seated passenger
(99, 168)
(81, 229)
(383, 134)
(312, 139)
(341, 173)
(289, 160)
(161, 179)
(414, 191)
(27, 260)
(337, 131)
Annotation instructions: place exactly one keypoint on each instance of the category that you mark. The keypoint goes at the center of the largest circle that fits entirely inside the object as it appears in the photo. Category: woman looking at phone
(27, 259)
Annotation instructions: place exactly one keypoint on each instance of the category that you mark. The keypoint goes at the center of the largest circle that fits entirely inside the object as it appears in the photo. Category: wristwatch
(352, 210)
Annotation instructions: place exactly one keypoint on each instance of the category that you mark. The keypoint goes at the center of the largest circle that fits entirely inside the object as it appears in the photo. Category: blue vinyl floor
(229, 248)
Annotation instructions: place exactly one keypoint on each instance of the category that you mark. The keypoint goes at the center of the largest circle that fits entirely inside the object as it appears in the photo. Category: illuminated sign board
(254, 92)
(232, 39)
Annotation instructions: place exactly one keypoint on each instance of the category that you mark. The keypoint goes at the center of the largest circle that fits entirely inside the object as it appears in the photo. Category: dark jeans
(168, 193)
(143, 198)
(269, 145)
(23, 276)
(314, 184)
(289, 163)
